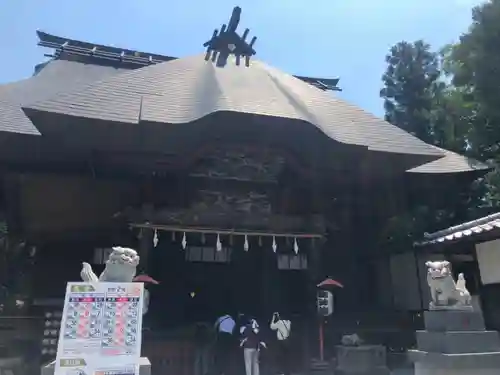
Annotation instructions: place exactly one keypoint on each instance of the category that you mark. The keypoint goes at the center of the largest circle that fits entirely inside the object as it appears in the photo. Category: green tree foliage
(474, 67)
(419, 97)
(410, 81)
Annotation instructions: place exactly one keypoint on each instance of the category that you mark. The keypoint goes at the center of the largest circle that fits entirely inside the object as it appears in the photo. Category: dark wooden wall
(51, 206)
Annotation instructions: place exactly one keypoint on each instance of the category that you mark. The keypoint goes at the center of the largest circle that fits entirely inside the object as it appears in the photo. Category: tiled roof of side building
(462, 231)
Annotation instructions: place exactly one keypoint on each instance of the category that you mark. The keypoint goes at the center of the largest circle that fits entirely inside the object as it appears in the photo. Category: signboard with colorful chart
(100, 329)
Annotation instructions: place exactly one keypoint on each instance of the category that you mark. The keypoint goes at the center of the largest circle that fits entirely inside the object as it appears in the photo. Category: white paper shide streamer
(231, 241)
(245, 245)
(184, 241)
(155, 238)
(218, 245)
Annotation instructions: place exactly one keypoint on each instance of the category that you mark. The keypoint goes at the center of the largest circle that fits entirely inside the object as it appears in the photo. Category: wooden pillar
(311, 333)
(13, 204)
(314, 260)
(315, 277)
(146, 240)
(268, 284)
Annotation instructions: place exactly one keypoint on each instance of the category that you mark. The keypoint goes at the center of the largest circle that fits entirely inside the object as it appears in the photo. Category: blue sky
(330, 38)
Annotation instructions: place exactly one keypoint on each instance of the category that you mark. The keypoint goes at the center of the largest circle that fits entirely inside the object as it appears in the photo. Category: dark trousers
(224, 349)
(283, 357)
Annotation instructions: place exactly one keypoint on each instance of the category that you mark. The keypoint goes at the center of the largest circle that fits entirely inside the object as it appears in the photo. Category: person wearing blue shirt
(225, 324)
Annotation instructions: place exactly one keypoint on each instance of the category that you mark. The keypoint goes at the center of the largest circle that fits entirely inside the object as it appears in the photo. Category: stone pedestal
(320, 367)
(144, 367)
(361, 360)
(456, 343)
(11, 366)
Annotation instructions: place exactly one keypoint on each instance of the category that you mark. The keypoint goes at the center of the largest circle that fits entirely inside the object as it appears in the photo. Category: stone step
(372, 371)
(458, 342)
(454, 364)
(453, 320)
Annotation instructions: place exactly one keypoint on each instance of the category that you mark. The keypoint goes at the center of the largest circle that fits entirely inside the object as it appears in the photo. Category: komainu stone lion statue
(351, 340)
(446, 294)
(121, 267)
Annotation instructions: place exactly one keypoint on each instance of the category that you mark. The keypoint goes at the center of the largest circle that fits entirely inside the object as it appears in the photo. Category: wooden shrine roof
(451, 163)
(56, 76)
(188, 89)
(162, 90)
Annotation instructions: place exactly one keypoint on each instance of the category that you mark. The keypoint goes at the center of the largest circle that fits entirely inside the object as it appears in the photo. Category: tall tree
(452, 114)
(419, 98)
(410, 83)
(474, 66)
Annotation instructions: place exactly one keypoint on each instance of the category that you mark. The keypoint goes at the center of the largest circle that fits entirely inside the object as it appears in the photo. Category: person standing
(283, 329)
(251, 344)
(224, 328)
(202, 338)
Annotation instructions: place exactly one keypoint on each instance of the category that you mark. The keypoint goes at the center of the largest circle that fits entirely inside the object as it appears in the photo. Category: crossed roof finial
(227, 42)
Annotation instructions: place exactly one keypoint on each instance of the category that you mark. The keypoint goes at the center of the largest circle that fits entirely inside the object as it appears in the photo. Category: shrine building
(240, 185)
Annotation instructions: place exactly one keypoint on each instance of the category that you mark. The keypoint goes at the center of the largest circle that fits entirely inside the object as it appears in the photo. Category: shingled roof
(187, 89)
(450, 163)
(165, 89)
(55, 77)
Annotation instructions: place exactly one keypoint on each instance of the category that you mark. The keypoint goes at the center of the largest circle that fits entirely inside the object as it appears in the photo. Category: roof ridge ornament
(227, 42)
